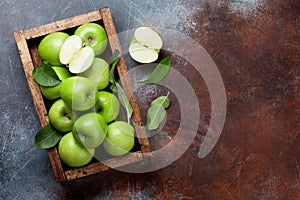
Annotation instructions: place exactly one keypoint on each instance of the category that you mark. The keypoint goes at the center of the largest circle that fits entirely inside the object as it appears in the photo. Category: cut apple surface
(145, 45)
(75, 56)
(82, 61)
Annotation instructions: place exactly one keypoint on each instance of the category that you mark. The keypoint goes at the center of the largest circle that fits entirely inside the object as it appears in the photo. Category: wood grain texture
(29, 59)
(62, 25)
(99, 167)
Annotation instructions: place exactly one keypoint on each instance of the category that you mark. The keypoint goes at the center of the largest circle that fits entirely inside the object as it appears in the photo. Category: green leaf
(113, 88)
(160, 71)
(47, 137)
(45, 75)
(124, 101)
(162, 100)
(155, 115)
(113, 61)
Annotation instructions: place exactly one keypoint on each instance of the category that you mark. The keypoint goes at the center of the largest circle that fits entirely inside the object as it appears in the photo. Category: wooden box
(27, 42)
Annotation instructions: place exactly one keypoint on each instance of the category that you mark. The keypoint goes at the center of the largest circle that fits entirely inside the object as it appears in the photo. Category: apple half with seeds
(75, 55)
(145, 45)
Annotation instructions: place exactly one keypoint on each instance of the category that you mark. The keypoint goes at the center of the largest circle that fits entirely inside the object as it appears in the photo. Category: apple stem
(67, 115)
(90, 39)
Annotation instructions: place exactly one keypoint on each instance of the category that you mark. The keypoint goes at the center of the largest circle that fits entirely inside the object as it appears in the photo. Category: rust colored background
(257, 51)
(258, 153)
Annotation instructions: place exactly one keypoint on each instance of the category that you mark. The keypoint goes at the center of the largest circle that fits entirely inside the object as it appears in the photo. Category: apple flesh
(145, 45)
(90, 130)
(60, 116)
(53, 92)
(72, 154)
(75, 56)
(119, 139)
(98, 73)
(94, 36)
(50, 46)
(79, 93)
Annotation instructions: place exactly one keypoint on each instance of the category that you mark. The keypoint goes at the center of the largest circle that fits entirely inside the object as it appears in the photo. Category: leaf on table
(163, 100)
(47, 137)
(45, 75)
(155, 115)
(160, 71)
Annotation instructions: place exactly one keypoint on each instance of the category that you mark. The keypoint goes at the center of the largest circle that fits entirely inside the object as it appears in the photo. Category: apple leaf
(156, 113)
(124, 101)
(47, 137)
(113, 62)
(45, 75)
(160, 71)
(163, 100)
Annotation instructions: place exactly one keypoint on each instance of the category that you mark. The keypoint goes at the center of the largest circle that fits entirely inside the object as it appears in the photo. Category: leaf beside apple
(47, 137)
(45, 75)
(52, 92)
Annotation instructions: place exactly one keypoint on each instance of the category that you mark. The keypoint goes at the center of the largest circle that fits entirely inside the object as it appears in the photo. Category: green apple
(50, 46)
(60, 116)
(119, 139)
(90, 130)
(98, 73)
(72, 154)
(94, 35)
(145, 45)
(53, 92)
(107, 105)
(79, 93)
(75, 55)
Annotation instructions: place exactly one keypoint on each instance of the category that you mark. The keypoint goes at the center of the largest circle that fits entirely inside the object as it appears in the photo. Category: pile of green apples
(83, 108)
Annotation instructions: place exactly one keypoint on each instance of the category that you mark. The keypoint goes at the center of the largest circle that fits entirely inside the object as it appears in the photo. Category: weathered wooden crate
(27, 42)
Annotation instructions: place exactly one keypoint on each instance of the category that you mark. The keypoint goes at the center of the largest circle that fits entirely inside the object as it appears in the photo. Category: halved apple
(75, 55)
(145, 45)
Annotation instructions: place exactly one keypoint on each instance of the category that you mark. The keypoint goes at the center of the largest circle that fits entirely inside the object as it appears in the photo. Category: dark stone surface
(256, 48)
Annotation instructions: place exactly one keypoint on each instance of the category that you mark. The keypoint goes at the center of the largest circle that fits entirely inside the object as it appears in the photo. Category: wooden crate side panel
(28, 65)
(99, 167)
(33, 86)
(62, 25)
(125, 79)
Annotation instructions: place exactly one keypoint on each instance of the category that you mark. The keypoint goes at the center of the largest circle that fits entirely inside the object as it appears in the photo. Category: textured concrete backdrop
(256, 46)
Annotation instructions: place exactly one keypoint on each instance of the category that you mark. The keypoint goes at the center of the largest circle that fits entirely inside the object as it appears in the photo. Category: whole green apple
(72, 154)
(79, 93)
(98, 73)
(107, 105)
(60, 116)
(119, 139)
(94, 35)
(90, 130)
(53, 92)
(50, 46)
